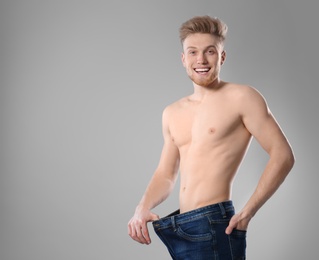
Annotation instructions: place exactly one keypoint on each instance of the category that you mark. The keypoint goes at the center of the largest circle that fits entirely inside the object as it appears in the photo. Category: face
(202, 57)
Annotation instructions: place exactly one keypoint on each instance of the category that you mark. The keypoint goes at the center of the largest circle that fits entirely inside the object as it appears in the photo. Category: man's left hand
(238, 221)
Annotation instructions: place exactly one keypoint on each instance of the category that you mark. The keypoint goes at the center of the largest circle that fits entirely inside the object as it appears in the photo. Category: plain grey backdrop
(83, 86)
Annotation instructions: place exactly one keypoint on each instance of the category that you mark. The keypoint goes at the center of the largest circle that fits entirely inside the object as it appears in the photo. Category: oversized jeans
(200, 234)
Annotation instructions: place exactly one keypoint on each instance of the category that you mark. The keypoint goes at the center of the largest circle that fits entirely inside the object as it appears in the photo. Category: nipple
(211, 130)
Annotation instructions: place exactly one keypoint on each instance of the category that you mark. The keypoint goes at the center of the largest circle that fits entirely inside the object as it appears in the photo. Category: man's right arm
(159, 188)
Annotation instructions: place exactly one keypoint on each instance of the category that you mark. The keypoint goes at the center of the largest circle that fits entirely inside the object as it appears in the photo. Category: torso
(212, 140)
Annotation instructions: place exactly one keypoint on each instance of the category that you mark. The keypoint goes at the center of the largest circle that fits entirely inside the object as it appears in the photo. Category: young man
(206, 136)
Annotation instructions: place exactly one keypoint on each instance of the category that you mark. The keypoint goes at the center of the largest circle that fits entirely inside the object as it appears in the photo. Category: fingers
(137, 226)
(154, 217)
(232, 224)
(145, 234)
(236, 223)
(138, 231)
(230, 228)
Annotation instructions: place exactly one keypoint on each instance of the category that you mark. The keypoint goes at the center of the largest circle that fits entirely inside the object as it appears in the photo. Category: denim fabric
(200, 234)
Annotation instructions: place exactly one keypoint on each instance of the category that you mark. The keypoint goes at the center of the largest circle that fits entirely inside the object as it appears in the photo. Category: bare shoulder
(241, 90)
(175, 106)
(244, 95)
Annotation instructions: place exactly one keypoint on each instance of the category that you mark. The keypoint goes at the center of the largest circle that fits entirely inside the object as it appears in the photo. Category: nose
(201, 58)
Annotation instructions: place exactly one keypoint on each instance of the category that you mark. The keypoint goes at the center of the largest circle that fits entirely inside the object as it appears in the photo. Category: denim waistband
(219, 208)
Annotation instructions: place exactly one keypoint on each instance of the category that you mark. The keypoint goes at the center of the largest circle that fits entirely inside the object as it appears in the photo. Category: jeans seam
(230, 246)
(168, 245)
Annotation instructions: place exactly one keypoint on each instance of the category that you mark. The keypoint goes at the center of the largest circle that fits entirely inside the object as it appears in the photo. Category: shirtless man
(206, 136)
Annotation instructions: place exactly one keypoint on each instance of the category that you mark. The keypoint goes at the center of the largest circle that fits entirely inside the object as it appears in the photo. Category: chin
(203, 82)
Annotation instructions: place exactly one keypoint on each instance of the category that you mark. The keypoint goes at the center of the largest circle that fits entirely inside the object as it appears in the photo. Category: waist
(222, 209)
(203, 194)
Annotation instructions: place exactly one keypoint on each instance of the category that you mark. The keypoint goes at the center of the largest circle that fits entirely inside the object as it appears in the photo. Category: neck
(201, 91)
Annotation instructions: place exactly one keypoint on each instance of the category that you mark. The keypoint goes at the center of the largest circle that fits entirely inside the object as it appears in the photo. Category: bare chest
(203, 124)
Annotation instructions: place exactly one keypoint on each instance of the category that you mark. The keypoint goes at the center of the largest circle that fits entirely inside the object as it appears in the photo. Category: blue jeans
(200, 234)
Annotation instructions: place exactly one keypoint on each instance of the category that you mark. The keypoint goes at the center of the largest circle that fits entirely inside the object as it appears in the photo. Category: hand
(137, 226)
(238, 221)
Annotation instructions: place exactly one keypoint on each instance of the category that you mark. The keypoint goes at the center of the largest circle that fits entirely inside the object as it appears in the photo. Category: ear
(183, 58)
(223, 58)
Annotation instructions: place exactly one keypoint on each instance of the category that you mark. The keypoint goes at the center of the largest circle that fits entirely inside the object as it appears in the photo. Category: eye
(211, 52)
(192, 52)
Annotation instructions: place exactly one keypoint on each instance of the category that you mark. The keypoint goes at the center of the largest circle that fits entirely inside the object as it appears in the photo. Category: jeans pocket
(237, 241)
(196, 230)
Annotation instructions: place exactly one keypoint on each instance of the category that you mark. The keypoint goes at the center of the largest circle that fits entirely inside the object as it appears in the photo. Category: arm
(261, 124)
(159, 188)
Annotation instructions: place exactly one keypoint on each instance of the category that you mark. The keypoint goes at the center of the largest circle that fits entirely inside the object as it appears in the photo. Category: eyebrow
(209, 46)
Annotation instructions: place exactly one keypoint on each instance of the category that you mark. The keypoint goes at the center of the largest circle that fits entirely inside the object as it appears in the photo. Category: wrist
(247, 212)
(142, 206)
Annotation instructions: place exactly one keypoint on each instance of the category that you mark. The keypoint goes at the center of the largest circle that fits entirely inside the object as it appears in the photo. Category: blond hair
(203, 24)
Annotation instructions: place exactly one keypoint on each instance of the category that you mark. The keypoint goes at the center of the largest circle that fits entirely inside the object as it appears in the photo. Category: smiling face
(202, 57)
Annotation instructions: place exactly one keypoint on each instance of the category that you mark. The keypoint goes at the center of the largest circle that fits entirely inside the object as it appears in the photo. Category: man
(206, 136)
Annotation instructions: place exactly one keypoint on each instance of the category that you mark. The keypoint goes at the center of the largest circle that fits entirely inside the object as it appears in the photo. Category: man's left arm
(259, 121)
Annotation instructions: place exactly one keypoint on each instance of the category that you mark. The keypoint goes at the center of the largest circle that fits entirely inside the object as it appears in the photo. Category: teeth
(202, 70)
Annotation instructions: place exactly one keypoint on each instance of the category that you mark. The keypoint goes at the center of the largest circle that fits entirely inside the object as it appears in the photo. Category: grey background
(83, 86)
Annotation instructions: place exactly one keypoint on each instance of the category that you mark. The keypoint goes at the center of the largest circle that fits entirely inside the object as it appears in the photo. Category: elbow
(285, 158)
(289, 159)
(292, 160)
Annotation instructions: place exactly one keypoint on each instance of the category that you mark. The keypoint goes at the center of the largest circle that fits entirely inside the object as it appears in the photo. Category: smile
(202, 70)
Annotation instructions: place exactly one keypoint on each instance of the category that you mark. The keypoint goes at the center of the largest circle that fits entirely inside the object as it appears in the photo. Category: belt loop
(222, 209)
(173, 223)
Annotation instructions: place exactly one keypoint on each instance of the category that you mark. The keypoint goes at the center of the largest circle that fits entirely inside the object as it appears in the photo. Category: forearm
(277, 168)
(158, 190)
